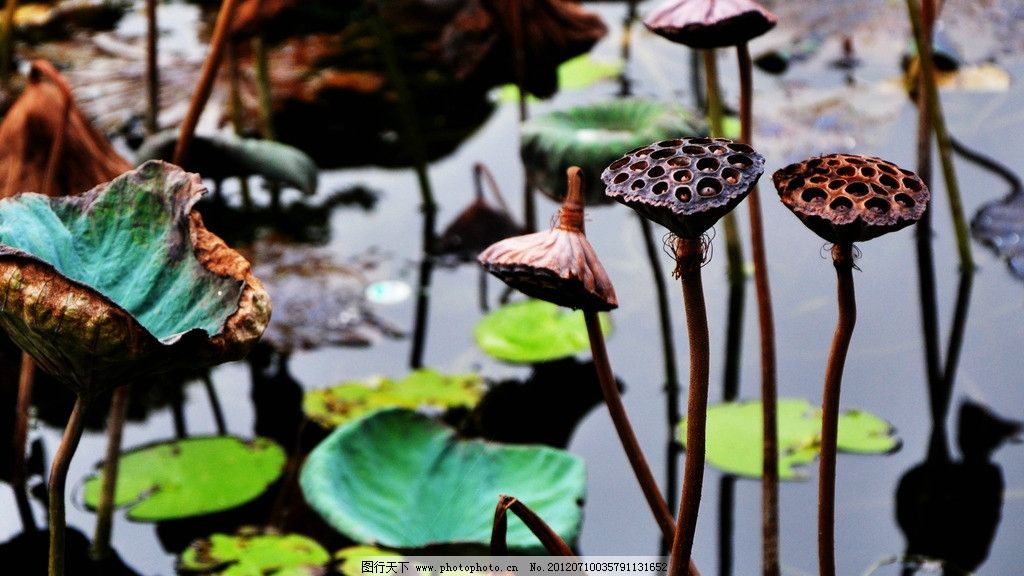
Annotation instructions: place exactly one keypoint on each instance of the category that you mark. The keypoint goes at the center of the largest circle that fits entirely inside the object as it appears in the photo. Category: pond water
(812, 109)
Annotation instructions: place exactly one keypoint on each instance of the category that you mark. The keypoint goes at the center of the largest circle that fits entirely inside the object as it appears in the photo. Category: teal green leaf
(349, 558)
(534, 331)
(185, 478)
(424, 388)
(734, 436)
(254, 554)
(399, 479)
(224, 156)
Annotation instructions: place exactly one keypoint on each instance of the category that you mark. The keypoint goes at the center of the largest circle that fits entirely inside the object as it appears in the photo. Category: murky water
(812, 109)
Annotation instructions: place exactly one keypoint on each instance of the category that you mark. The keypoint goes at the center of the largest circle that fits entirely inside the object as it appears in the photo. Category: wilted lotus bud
(847, 198)
(710, 23)
(557, 265)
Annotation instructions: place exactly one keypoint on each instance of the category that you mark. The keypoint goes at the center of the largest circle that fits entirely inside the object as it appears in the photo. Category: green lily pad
(350, 558)
(399, 479)
(254, 554)
(534, 331)
(734, 436)
(423, 388)
(185, 478)
(573, 74)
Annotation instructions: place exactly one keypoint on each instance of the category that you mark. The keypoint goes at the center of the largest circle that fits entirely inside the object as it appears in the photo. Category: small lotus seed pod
(685, 184)
(557, 265)
(847, 198)
(710, 23)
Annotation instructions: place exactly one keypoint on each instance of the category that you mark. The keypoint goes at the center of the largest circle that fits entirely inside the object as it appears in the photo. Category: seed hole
(683, 193)
(670, 143)
(709, 187)
(907, 172)
(879, 190)
(879, 205)
(846, 171)
(656, 172)
(693, 149)
(887, 169)
(717, 150)
(641, 165)
(818, 179)
(813, 163)
(619, 163)
(841, 204)
(638, 184)
(888, 181)
(835, 184)
(620, 178)
(634, 150)
(794, 184)
(660, 187)
(643, 152)
(679, 161)
(867, 171)
(702, 141)
(857, 188)
(740, 161)
(731, 175)
(708, 164)
(741, 148)
(905, 200)
(683, 176)
(855, 160)
(661, 154)
(813, 195)
(833, 162)
(912, 183)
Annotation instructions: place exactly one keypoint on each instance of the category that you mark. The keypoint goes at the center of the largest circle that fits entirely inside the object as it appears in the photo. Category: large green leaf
(734, 436)
(422, 388)
(400, 479)
(534, 331)
(349, 559)
(220, 156)
(191, 477)
(253, 554)
(573, 74)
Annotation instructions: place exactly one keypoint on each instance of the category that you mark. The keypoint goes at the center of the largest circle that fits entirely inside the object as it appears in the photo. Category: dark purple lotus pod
(710, 23)
(685, 184)
(847, 198)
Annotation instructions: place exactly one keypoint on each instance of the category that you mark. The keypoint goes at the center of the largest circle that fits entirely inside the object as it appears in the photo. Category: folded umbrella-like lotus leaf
(123, 281)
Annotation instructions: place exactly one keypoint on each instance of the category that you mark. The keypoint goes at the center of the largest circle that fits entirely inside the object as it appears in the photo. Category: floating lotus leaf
(192, 477)
(400, 479)
(593, 136)
(574, 74)
(251, 553)
(220, 157)
(123, 281)
(734, 438)
(339, 404)
(350, 558)
(534, 331)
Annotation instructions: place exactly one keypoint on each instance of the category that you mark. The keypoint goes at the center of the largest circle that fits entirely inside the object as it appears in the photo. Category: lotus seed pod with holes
(847, 198)
(710, 23)
(685, 184)
(557, 265)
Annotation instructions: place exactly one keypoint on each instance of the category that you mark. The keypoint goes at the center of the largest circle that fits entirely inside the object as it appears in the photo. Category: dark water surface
(810, 110)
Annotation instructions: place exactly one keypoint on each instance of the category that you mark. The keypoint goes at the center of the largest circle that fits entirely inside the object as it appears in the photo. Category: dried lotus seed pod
(847, 198)
(685, 184)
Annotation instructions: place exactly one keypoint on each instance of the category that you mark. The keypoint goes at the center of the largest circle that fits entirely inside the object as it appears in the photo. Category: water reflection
(950, 509)
(28, 550)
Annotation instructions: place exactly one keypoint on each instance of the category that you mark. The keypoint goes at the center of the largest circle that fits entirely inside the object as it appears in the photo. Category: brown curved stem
(842, 258)
(482, 172)
(552, 542)
(766, 322)
(19, 472)
(205, 84)
(689, 258)
(57, 482)
(105, 510)
(152, 70)
(624, 429)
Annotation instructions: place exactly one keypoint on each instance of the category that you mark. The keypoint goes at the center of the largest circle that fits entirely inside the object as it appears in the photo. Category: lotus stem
(552, 542)
(482, 172)
(152, 70)
(105, 509)
(259, 48)
(205, 84)
(842, 259)
(924, 50)
(218, 412)
(516, 17)
(726, 513)
(7, 41)
(689, 258)
(235, 106)
(19, 472)
(766, 323)
(620, 419)
(57, 482)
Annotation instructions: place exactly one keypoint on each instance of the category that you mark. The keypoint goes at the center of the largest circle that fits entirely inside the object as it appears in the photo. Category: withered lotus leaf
(710, 23)
(124, 281)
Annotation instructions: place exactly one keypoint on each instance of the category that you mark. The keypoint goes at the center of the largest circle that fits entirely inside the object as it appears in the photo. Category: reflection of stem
(205, 84)
(625, 83)
(152, 70)
(924, 46)
(552, 542)
(766, 322)
(689, 258)
(218, 412)
(426, 272)
(668, 350)
(842, 258)
(19, 471)
(482, 172)
(634, 453)
(956, 334)
(57, 482)
(178, 417)
(235, 105)
(726, 507)
(105, 510)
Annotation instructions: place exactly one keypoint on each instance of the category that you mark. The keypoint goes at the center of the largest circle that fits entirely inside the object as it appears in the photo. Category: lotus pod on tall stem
(686, 185)
(707, 24)
(845, 198)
